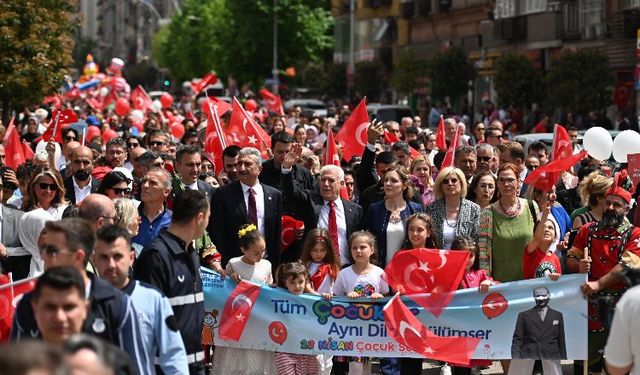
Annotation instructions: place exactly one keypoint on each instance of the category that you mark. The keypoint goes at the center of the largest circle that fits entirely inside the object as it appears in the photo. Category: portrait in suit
(231, 208)
(80, 181)
(539, 332)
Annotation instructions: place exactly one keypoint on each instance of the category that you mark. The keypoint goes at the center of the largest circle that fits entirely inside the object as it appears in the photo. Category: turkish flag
(274, 102)
(59, 118)
(207, 80)
(245, 132)
(27, 151)
(237, 310)
(331, 157)
(13, 147)
(140, 99)
(215, 137)
(73, 94)
(622, 93)
(353, 134)
(449, 158)
(223, 106)
(407, 330)
(391, 138)
(428, 276)
(441, 135)
(289, 225)
(546, 176)
(10, 294)
(562, 147)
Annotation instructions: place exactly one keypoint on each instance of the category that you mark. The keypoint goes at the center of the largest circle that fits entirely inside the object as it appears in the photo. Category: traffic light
(167, 83)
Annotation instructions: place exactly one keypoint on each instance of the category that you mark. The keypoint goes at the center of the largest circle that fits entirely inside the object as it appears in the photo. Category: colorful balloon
(278, 332)
(494, 304)
(166, 100)
(92, 131)
(122, 106)
(137, 115)
(108, 135)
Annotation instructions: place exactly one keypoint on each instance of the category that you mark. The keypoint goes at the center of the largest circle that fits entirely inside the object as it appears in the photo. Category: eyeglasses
(508, 181)
(157, 143)
(121, 191)
(133, 144)
(532, 167)
(107, 217)
(450, 181)
(45, 186)
(497, 136)
(484, 158)
(70, 138)
(50, 250)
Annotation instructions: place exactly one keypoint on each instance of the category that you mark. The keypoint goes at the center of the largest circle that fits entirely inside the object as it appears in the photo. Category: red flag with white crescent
(244, 131)
(237, 310)
(407, 330)
(10, 294)
(140, 99)
(546, 176)
(353, 134)
(215, 137)
(562, 146)
(428, 276)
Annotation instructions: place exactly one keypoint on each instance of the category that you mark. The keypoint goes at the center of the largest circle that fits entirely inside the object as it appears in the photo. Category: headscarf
(31, 225)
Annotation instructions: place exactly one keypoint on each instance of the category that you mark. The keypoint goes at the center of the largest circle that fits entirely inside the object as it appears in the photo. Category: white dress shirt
(323, 222)
(81, 193)
(259, 202)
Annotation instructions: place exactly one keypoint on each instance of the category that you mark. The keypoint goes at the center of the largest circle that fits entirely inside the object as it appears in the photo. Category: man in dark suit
(318, 209)
(187, 169)
(246, 201)
(12, 257)
(539, 334)
(80, 183)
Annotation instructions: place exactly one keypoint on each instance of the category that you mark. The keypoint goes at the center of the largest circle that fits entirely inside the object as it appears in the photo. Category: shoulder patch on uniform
(172, 323)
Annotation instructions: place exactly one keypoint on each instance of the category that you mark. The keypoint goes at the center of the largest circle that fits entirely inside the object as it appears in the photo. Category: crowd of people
(116, 229)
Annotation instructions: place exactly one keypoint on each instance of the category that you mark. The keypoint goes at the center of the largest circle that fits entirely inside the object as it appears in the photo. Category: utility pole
(274, 71)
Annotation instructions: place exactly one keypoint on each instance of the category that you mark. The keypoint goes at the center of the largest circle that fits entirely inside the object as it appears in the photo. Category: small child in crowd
(295, 278)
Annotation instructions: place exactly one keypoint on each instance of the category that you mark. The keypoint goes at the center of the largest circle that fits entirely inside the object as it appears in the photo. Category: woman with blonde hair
(422, 179)
(452, 215)
(592, 190)
(46, 191)
(128, 217)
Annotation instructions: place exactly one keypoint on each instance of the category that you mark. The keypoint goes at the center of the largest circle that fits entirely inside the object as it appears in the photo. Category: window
(591, 12)
(627, 4)
(533, 6)
(505, 9)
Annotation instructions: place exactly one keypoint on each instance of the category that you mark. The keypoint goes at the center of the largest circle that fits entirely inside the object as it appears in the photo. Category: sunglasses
(450, 181)
(50, 250)
(157, 143)
(120, 191)
(45, 186)
(133, 145)
(70, 138)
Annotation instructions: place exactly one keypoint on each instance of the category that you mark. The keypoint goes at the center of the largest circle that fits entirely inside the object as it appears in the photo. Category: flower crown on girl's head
(243, 232)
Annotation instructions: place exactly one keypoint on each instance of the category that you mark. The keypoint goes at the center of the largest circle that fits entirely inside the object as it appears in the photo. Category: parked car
(388, 112)
(311, 105)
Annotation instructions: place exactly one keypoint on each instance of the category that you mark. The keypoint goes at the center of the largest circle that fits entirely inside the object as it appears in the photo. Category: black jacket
(165, 264)
(272, 176)
(111, 317)
(70, 192)
(535, 339)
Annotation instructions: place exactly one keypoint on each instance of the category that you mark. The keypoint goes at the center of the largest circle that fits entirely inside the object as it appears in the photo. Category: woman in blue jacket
(386, 219)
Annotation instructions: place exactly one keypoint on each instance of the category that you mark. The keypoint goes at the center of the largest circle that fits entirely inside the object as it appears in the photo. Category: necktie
(252, 210)
(333, 226)
(542, 313)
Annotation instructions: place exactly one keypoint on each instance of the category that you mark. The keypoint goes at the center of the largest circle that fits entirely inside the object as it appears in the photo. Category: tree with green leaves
(580, 81)
(408, 68)
(517, 82)
(36, 47)
(236, 37)
(449, 74)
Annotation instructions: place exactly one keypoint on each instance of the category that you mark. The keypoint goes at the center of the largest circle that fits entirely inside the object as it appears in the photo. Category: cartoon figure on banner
(209, 324)
(278, 332)
(493, 305)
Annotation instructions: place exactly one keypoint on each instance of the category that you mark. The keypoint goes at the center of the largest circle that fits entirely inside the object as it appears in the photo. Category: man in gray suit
(12, 258)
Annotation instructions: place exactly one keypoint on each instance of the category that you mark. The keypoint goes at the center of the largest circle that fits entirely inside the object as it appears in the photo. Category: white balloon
(137, 115)
(104, 91)
(156, 106)
(626, 142)
(598, 143)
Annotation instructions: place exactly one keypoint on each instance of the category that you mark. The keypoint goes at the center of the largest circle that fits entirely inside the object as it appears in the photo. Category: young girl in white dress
(250, 266)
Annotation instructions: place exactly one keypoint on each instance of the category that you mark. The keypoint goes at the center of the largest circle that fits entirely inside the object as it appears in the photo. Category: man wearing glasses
(80, 183)
(493, 136)
(157, 141)
(116, 152)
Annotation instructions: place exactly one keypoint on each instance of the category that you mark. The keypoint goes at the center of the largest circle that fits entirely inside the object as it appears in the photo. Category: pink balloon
(166, 100)
(122, 106)
(107, 135)
(250, 105)
(177, 130)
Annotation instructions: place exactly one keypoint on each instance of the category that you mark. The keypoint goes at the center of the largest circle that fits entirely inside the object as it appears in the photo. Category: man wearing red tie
(325, 210)
(246, 201)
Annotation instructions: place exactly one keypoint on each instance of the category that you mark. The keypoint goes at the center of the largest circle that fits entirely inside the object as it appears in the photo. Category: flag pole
(84, 134)
(585, 367)
(253, 123)
(55, 125)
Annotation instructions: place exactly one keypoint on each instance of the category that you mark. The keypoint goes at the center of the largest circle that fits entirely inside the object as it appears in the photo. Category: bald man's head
(69, 148)
(98, 209)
